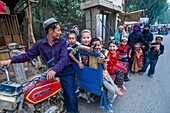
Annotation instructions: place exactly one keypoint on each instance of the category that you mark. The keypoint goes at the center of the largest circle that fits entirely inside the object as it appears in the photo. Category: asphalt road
(145, 94)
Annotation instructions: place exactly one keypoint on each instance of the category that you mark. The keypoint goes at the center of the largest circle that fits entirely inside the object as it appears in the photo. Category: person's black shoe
(150, 75)
(127, 79)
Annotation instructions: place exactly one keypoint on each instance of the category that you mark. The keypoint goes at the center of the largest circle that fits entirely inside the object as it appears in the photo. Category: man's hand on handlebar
(5, 63)
(51, 75)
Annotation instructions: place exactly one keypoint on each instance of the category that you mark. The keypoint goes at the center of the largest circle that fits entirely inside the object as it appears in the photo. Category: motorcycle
(35, 96)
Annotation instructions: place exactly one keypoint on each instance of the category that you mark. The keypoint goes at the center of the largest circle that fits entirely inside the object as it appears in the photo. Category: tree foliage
(152, 8)
(164, 18)
(67, 13)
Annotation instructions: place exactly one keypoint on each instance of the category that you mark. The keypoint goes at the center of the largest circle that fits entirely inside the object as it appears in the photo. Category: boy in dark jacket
(156, 49)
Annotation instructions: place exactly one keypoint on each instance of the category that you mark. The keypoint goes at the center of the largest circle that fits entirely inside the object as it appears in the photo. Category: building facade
(102, 17)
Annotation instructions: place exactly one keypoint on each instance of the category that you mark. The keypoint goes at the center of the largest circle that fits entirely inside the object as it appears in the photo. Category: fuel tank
(43, 90)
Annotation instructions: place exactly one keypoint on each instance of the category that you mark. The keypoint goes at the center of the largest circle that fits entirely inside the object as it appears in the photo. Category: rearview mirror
(51, 63)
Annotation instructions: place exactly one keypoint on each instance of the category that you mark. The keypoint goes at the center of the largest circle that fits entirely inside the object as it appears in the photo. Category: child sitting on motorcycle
(114, 68)
(71, 40)
(96, 46)
(85, 40)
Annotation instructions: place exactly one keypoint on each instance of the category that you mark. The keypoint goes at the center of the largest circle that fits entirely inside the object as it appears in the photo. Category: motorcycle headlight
(7, 103)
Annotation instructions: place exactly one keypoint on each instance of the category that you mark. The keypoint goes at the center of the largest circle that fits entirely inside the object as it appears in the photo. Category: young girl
(137, 59)
(85, 40)
(113, 67)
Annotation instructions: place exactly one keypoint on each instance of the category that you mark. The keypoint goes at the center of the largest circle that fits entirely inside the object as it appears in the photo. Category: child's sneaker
(119, 93)
(123, 88)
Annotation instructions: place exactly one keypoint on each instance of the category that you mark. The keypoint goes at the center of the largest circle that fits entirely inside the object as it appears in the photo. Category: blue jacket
(118, 36)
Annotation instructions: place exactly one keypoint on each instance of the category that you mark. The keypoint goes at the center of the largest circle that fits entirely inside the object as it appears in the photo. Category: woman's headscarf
(146, 31)
(121, 27)
(75, 27)
(136, 29)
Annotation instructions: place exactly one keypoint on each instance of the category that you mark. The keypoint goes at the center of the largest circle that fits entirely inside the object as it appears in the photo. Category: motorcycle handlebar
(42, 76)
(36, 78)
(4, 68)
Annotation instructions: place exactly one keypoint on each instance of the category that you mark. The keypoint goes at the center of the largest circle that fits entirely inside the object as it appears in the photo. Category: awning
(131, 16)
(131, 23)
(10, 3)
(3, 8)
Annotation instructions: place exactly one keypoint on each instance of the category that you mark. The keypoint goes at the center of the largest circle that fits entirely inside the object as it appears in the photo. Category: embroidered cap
(124, 38)
(159, 36)
(49, 22)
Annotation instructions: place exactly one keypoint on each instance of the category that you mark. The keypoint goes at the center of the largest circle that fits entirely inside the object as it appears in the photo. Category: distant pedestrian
(148, 36)
(156, 49)
(76, 29)
(137, 59)
(120, 33)
(136, 37)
